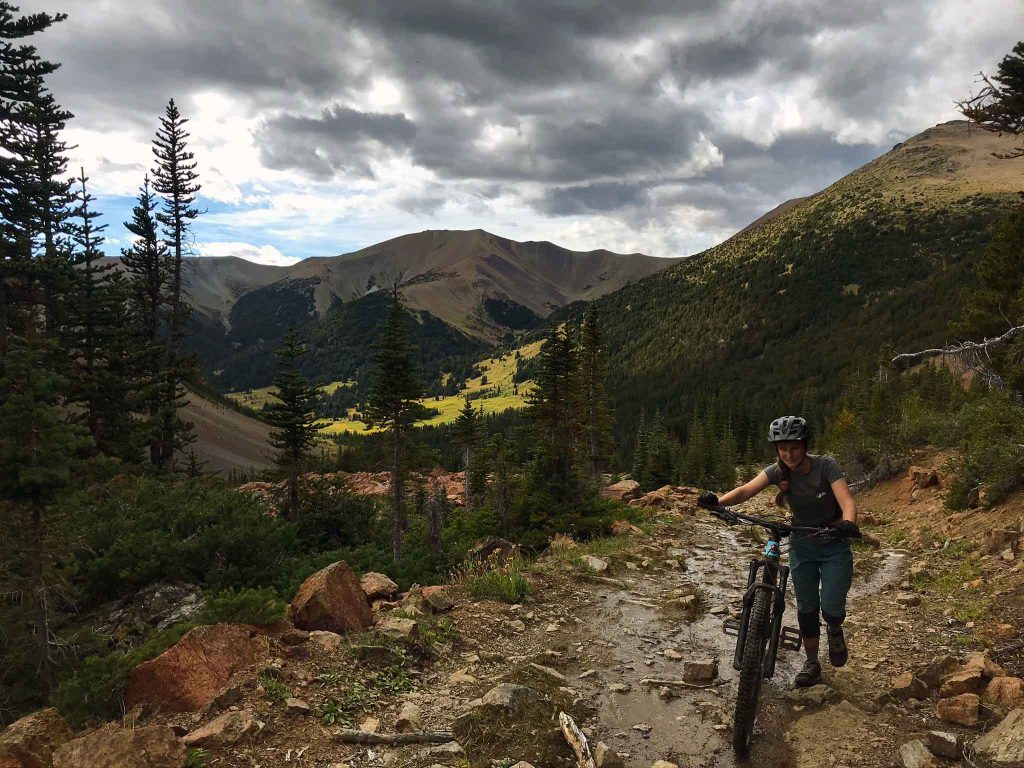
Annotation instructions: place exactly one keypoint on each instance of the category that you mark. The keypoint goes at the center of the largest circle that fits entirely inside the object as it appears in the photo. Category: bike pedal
(731, 627)
(790, 639)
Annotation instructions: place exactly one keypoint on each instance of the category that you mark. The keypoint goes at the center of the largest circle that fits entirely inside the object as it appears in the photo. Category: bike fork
(784, 636)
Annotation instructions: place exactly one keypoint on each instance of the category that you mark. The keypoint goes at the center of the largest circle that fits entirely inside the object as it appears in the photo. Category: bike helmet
(788, 428)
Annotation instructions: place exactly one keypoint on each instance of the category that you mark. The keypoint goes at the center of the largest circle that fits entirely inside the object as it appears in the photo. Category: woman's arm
(845, 499)
(745, 491)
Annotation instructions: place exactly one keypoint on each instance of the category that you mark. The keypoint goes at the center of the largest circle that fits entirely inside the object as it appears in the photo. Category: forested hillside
(770, 320)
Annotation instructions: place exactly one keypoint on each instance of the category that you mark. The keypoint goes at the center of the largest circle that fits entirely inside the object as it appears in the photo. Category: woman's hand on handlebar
(846, 529)
(707, 500)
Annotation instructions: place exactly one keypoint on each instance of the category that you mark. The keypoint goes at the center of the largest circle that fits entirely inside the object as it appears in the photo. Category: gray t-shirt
(822, 467)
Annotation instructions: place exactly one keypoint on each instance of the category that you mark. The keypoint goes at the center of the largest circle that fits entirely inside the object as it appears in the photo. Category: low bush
(500, 580)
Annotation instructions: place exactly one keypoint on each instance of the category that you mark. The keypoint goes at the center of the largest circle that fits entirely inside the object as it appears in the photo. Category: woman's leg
(836, 578)
(805, 576)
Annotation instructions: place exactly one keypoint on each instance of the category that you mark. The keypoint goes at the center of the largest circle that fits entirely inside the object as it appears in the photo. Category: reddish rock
(621, 528)
(962, 709)
(624, 490)
(1005, 692)
(401, 629)
(906, 686)
(294, 636)
(437, 599)
(31, 741)
(152, 746)
(193, 671)
(377, 585)
(333, 600)
(968, 680)
(225, 730)
(922, 477)
(984, 665)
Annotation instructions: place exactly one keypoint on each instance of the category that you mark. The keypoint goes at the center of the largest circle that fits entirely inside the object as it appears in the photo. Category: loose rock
(702, 671)
(969, 680)
(595, 564)
(1005, 692)
(31, 741)
(410, 719)
(962, 709)
(402, 629)
(377, 586)
(943, 744)
(906, 686)
(296, 706)
(152, 746)
(606, 757)
(225, 730)
(328, 641)
(915, 754)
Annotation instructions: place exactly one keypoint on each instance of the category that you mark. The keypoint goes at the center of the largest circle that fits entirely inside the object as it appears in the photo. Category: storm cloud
(654, 125)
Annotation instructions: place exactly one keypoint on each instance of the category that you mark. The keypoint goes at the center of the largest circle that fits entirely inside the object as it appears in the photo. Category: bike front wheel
(751, 672)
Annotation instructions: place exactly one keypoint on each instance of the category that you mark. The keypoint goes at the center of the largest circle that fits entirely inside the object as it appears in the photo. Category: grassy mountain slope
(772, 318)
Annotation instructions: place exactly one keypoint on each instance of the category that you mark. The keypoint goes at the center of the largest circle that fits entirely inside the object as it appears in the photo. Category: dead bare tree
(964, 356)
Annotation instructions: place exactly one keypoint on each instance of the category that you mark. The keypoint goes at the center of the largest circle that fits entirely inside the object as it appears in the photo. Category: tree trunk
(293, 492)
(396, 494)
(39, 599)
(3, 307)
(467, 458)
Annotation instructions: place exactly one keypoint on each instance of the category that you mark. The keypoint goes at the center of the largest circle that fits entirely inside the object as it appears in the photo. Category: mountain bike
(759, 632)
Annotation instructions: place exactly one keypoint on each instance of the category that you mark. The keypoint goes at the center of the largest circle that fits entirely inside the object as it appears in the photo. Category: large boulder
(31, 741)
(1004, 744)
(624, 490)
(225, 730)
(332, 599)
(377, 586)
(151, 746)
(194, 670)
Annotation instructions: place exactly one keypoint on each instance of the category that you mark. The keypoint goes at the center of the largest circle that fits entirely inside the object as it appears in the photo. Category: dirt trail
(632, 629)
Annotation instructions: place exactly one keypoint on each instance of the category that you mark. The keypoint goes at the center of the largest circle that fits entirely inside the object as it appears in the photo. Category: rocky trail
(625, 635)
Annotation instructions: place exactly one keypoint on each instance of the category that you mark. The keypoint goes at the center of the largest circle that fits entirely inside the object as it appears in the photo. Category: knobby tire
(751, 672)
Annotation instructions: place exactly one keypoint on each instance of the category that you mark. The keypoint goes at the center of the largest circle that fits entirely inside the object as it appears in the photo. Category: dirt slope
(226, 439)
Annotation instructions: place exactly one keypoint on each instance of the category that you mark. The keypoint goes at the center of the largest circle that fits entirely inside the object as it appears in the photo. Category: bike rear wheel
(751, 672)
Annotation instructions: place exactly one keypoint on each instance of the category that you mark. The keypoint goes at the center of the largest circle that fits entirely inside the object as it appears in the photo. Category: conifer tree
(437, 511)
(392, 406)
(176, 180)
(696, 454)
(659, 470)
(999, 106)
(21, 72)
(148, 267)
(38, 447)
(593, 361)
(640, 451)
(290, 414)
(467, 429)
(725, 473)
(555, 415)
(503, 483)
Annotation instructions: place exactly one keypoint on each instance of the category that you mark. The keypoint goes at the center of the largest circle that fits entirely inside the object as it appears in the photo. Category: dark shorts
(828, 568)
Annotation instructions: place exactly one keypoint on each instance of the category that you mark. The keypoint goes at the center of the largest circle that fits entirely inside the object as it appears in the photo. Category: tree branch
(907, 359)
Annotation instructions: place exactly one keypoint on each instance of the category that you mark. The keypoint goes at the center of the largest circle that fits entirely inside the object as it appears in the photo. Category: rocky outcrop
(624, 490)
(679, 498)
(31, 741)
(1004, 744)
(331, 599)
(225, 730)
(194, 670)
(153, 746)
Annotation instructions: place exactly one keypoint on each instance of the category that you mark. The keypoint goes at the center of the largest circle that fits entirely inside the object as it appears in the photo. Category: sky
(652, 126)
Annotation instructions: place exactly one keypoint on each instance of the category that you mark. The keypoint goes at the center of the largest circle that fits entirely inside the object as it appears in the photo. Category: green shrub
(247, 606)
(505, 583)
(274, 689)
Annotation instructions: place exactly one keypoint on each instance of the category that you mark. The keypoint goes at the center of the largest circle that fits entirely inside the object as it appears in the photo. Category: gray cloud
(581, 108)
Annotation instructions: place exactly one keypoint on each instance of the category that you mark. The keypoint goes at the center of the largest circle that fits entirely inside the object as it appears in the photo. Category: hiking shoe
(837, 653)
(809, 674)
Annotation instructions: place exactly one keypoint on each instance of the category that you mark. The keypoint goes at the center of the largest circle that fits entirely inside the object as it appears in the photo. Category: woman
(815, 489)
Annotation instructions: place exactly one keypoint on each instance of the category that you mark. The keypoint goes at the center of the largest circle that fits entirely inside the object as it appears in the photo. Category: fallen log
(577, 741)
(365, 737)
(679, 683)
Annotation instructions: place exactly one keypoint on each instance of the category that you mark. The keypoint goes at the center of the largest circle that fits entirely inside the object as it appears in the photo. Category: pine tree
(696, 453)
(392, 406)
(148, 268)
(725, 474)
(176, 180)
(503, 483)
(999, 106)
(21, 72)
(291, 416)
(437, 512)
(593, 361)
(639, 466)
(553, 408)
(467, 430)
(38, 447)
(659, 470)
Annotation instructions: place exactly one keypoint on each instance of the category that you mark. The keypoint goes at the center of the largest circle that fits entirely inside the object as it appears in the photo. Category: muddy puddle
(632, 631)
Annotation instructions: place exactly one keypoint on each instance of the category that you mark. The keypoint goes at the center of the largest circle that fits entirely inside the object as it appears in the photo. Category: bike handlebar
(730, 517)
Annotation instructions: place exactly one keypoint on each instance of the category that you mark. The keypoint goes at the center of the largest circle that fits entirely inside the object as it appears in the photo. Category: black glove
(707, 499)
(846, 529)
